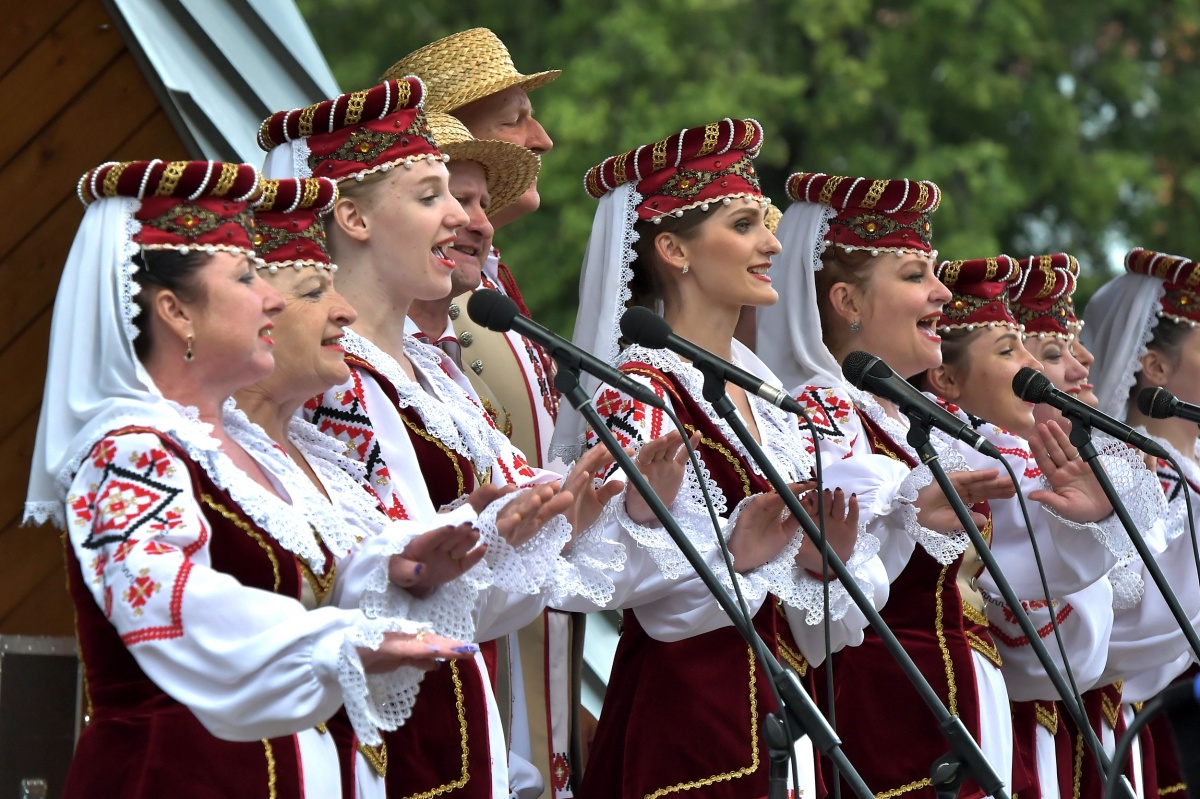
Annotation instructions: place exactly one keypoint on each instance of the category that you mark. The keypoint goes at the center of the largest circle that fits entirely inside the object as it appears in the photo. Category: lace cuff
(806, 592)
(526, 569)
(594, 555)
(689, 513)
(942, 547)
(376, 702)
(448, 609)
(1128, 587)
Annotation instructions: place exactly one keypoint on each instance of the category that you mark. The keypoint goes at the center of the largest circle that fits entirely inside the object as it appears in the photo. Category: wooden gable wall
(73, 98)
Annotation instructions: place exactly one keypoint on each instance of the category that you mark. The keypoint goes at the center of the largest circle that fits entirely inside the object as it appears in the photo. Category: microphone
(496, 312)
(1158, 403)
(643, 326)
(1033, 386)
(870, 373)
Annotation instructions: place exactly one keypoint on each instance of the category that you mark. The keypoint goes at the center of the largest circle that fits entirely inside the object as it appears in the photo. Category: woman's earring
(189, 356)
(685, 267)
(855, 326)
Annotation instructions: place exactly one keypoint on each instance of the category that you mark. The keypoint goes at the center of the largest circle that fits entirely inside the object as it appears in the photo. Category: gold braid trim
(462, 731)
(793, 659)
(1047, 716)
(306, 120)
(229, 173)
(972, 614)
(712, 132)
(462, 483)
(170, 178)
(985, 648)
(321, 584)
(659, 155)
(903, 789)
(940, 630)
(1078, 777)
(377, 756)
(619, 169)
(271, 779)
(1176, 788)
(731, 775)
(873, 194)
(248, 530)
(826, 195)
(110, 180)
(354, 108)
(721, 449)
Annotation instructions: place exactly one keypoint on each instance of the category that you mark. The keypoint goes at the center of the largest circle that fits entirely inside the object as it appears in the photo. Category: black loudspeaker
(40, 713)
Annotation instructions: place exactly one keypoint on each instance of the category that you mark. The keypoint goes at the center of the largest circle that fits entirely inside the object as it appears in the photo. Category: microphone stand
(918, 439)
(965, 757)
(1081, 439)
(796, 703)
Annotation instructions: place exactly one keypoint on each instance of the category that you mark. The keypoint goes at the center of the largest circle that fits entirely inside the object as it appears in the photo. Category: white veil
(1119, 322)
(789, 332)
(94, 382)
(603, 293)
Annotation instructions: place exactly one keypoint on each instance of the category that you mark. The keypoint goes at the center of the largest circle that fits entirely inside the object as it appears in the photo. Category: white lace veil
(603, 293)
(1119, 322)
(94, 382)
(789, 332)
(287, 160)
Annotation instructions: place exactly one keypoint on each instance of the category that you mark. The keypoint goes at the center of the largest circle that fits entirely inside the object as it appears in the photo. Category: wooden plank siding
(76, 98)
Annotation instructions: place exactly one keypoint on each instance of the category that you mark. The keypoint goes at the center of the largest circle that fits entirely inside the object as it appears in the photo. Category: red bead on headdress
(185, 205)
(692, 169)
(358, 133)
(289, 230)
(873, 215)
(1041, 299)
(980, 293)
(1180, 277)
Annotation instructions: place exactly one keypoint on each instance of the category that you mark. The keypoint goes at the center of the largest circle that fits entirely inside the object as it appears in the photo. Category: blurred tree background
(1050, 126)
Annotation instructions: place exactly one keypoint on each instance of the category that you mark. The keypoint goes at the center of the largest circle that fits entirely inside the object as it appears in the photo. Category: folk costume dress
(426, 444)
(1148, 651)
(663, 728)
(930, 607)
(211, 659)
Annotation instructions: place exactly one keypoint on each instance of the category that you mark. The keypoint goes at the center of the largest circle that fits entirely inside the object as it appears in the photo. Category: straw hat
(510, 168)
(464, 67)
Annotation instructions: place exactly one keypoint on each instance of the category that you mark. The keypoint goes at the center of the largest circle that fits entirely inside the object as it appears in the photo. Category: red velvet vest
(139, 741)
(887, 731)
(1102, 706)
(443, 749)
(686, 717)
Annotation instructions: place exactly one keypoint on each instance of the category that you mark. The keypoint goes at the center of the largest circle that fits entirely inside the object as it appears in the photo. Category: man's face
(507, 116)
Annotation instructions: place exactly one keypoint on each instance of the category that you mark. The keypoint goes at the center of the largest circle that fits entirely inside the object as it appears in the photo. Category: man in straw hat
(486, 177)
(472, 76)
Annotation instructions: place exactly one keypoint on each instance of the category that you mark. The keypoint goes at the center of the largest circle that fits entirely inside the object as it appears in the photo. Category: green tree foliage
(1050, 126)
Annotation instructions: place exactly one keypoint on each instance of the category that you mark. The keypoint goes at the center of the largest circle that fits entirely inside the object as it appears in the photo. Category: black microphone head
(1031, 385)
(643, 326)
(1155, 402)
(492, 310)
(858, 364)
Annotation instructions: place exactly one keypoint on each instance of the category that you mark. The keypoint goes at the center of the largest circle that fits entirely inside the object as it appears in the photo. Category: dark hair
(838, 266)
(954, 354)
(646, 287)
(162, 269)
(1167, 337)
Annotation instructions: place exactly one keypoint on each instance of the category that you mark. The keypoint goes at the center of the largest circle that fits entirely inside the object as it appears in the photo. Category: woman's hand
(763, 529)
(436, 557)
(486, 494)
(841, 528)
(521, 518)
(1074, 492)
(587, 500)
(662, 462)
(934, 510)
(423, 651)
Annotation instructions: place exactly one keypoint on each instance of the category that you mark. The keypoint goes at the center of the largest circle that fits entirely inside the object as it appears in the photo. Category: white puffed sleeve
(248, 662)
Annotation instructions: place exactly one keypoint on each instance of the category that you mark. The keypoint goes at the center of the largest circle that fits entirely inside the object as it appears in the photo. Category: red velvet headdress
(1041, 299)
(1180, 277)
(874, 215)
(185, 205)
(691, 169)
(289, 230)
(980, 292)
(356, 134)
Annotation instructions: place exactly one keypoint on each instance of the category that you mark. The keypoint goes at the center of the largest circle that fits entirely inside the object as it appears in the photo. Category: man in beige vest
(471, 76)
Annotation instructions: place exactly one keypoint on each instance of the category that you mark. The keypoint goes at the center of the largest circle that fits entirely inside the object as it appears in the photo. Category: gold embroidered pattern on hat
(688, 183)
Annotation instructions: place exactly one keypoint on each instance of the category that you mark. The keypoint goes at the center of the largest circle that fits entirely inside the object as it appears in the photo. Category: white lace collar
(288, 527)
(1191, 469)
(450, 414)
(328, 517)
(778, 431)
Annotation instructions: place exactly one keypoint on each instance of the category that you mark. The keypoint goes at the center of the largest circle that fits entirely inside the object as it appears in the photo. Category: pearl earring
(685, 267)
